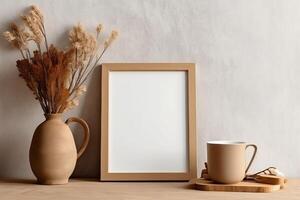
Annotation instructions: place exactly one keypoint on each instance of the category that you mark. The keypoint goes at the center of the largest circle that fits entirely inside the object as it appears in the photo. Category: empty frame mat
(147, 128)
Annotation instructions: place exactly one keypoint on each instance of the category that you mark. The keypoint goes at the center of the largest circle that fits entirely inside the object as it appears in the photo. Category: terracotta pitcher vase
(53, 153)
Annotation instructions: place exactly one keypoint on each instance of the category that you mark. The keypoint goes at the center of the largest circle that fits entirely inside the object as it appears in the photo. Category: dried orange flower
(32, 21)
(37, 12)
(99, 28)
(112, 37)
(17, 37)
(82, 41)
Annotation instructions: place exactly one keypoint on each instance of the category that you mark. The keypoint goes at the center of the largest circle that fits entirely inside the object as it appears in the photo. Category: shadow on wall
(17, 102)
(88, 165)
(15, 136)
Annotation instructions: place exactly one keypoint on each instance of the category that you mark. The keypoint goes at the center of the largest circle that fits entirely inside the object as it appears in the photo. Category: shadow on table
(19, 181)
(34, 181)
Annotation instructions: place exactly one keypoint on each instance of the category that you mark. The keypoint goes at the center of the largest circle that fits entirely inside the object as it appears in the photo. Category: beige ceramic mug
(226, 161)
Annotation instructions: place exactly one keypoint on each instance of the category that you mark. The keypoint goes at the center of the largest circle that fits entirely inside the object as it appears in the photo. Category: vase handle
(86, 133)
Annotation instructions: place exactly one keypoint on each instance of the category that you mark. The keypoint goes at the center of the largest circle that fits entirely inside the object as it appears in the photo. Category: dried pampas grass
(56, 77)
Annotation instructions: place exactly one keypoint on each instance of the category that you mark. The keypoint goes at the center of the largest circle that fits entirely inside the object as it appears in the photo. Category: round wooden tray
(244, 186)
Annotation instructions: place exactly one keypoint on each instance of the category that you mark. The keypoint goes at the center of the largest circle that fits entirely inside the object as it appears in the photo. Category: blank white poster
(147, 122)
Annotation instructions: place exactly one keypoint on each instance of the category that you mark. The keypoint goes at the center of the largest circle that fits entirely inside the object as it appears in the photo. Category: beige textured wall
(248, 69)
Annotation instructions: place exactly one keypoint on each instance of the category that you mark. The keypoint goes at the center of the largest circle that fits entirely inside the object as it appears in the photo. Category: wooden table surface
(92, 189)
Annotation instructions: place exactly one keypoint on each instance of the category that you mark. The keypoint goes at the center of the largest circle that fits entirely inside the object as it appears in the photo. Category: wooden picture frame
(115, 72)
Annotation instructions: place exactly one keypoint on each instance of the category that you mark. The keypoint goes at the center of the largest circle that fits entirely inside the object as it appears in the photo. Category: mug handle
(253, 156)
(86, 133)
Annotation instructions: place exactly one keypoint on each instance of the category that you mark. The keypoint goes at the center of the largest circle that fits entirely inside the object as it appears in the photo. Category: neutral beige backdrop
(248, 69)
